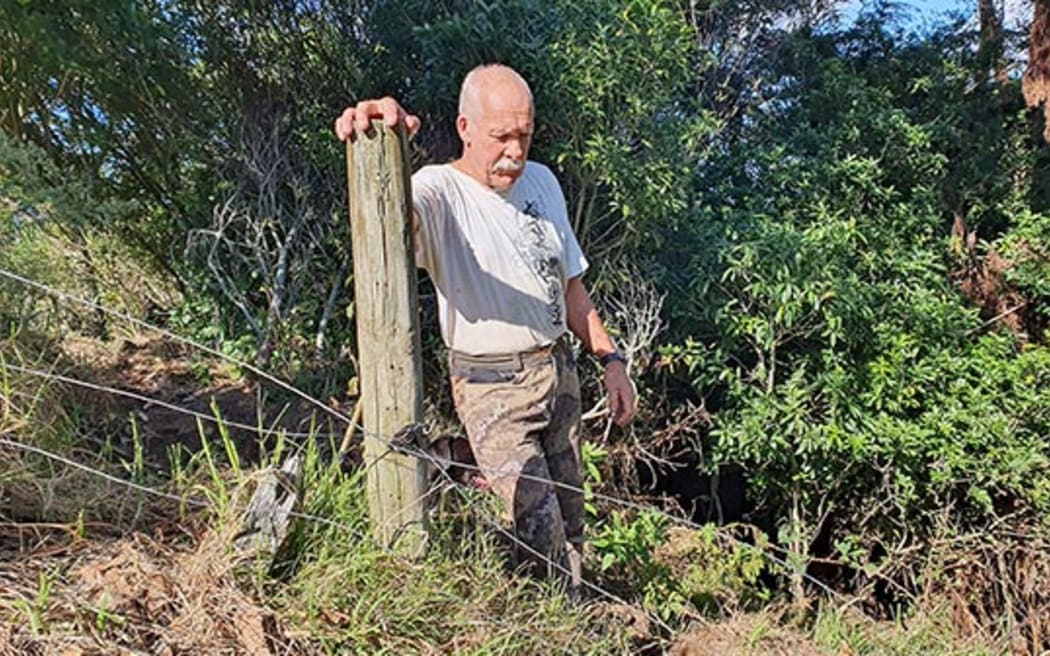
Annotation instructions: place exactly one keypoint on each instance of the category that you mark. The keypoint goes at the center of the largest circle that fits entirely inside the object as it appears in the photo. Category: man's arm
(358, 118)
(585, 323)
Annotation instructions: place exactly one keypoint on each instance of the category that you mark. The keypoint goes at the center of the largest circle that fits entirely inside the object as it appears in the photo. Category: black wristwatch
(614, 356)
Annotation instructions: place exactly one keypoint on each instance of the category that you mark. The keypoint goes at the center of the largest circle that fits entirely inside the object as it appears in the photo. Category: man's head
(495, 125)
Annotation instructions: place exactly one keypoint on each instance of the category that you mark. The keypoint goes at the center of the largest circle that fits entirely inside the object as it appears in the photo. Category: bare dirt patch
(178, 381)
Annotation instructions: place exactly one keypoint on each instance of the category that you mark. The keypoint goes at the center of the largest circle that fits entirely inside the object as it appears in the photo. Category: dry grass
(746, 634)
(996, 585)
(138, 594)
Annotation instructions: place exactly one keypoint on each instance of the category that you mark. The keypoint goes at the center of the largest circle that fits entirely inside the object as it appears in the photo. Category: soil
(252, 410)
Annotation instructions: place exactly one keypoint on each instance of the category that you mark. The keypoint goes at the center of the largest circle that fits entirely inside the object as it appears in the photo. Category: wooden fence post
(388, 343)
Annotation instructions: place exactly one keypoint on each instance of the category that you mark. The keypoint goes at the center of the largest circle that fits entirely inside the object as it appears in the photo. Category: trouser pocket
(484, 375)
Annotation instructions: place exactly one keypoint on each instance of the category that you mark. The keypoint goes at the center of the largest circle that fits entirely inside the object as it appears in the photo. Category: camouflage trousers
(522, 415)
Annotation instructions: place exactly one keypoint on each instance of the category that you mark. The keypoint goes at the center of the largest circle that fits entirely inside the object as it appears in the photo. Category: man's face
(497, 137)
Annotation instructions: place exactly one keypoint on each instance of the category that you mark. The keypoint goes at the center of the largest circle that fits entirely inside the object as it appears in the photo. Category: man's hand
(359, 117)
(622, 399)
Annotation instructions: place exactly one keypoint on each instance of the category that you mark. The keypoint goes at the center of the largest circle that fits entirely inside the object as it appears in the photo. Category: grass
(928, 632)
(35, 610)
(108, 569)
(358, 598)
(334, 591)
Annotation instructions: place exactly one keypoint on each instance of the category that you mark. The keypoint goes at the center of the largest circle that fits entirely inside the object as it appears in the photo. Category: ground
(90, 567)
(167, 373)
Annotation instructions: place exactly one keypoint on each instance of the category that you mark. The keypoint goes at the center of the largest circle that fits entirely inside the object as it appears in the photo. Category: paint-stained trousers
(522, 415)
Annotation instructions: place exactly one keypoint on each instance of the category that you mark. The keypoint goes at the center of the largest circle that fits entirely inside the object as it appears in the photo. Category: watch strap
(614, 356)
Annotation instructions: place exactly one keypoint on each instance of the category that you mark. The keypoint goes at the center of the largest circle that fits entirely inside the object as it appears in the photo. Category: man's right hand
(359, 117)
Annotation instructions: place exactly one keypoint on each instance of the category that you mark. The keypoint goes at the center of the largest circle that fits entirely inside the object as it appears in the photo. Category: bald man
(493, 232)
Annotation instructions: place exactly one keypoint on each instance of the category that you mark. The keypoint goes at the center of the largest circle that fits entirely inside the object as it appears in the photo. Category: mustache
(509, 165)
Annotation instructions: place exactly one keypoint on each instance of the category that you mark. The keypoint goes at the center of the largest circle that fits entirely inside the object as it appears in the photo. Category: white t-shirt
(499, 262)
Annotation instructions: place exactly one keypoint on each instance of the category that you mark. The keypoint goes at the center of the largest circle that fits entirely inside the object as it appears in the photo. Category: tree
(1036, 81)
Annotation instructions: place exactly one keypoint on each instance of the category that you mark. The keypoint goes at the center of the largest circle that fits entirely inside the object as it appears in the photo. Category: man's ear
(462, 127)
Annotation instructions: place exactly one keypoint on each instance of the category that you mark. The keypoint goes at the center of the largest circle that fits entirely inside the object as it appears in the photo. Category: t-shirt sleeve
(430, 205)
(575, 261)
(572, 255)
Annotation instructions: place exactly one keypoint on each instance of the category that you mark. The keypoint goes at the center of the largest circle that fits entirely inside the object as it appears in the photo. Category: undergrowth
(93, 566)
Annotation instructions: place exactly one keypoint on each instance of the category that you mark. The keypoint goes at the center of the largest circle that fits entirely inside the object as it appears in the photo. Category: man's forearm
(584, 321)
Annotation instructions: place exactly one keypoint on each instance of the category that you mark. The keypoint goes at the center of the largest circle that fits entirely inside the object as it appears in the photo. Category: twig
(973, 331)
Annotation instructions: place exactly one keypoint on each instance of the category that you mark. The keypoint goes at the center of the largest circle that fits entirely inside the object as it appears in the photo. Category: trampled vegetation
(825, 245)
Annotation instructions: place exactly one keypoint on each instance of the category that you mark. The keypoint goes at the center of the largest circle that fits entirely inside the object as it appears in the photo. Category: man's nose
(515, 149)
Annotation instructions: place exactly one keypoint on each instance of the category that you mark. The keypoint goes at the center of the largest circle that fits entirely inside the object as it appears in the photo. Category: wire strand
(201, 503)
(157, 402)
(495, 525)
(441, 464)
(288, 387)
(386, 440)
(196, 502)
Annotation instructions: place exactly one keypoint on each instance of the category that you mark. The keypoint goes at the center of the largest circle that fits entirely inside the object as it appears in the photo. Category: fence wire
(387, 441)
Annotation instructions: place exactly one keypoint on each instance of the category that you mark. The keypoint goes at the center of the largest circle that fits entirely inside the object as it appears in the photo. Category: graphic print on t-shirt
(543, 258)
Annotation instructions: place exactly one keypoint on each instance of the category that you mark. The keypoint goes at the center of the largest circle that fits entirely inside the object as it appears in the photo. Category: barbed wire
(384, 440)
(634, 505)
(98, 307)
(564, 571)
(259, 430)
(288, 387)
(201, 503)
(442, 464)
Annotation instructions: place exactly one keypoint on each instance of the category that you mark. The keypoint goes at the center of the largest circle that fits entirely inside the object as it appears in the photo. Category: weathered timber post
(388, 345)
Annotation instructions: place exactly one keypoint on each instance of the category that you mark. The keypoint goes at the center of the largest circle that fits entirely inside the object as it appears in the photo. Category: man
(492, 230)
